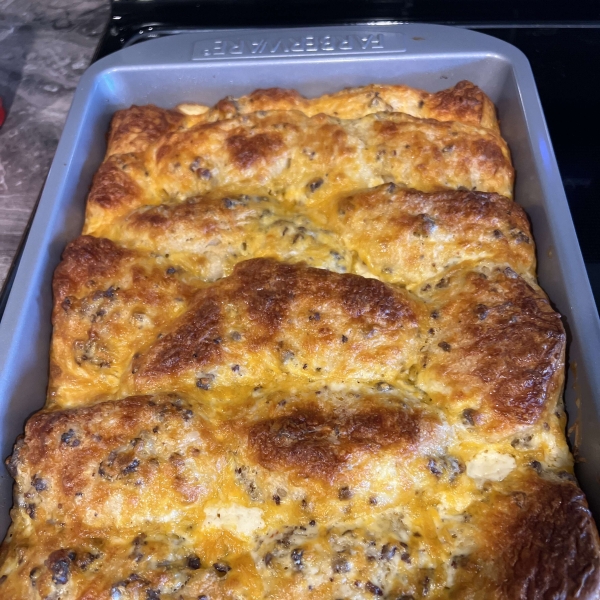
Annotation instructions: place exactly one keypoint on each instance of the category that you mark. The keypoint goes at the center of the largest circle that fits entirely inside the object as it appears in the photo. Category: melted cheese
(240, 520)
(490, 465)
(301, 352)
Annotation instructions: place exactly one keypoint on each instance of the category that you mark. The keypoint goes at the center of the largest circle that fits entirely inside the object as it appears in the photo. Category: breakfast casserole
(299, 351)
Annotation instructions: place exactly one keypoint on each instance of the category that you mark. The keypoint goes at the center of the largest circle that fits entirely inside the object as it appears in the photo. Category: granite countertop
(45, 46)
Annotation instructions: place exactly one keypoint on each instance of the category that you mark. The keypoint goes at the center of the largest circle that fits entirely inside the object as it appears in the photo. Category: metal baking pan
(204, 67)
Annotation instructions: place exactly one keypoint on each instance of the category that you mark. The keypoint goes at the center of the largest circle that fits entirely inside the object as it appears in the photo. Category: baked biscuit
(464, 102)
(297, 159)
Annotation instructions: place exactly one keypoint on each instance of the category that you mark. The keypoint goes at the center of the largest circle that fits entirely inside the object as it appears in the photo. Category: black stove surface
(145, 18)
(561, 40)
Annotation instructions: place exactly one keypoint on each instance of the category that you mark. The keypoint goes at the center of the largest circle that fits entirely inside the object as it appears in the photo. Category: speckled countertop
(45, 46)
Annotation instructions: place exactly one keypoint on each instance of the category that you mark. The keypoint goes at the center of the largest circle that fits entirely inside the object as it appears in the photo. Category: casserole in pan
(513, 326)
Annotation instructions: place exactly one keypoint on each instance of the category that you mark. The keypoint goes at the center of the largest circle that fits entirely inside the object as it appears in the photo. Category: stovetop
(132, 20)
(561, 40)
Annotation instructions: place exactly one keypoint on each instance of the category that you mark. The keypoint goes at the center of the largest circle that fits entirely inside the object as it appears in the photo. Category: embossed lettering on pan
(247, 46)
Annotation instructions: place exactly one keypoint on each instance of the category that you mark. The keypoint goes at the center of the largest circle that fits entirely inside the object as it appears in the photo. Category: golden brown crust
(85, 260)
(207, 235)
(532, 537)
(541, 543)
(123, 449)
(111, 187)
(136, 128)
(96, 450)
(259, 145)
(195, 343)
(300, 159)
(107, 302)
(246, 150)
(408, 236)
(120, 184)
(302, 355)
(488, 344)
(403, 236)
(464, 102)
(283, 318)
(316, 445)
(552, 548)
(264, 99)
(116, 454)
(496, 348)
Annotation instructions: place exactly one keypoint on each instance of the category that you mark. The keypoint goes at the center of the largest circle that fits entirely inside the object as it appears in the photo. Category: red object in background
(2, 113)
